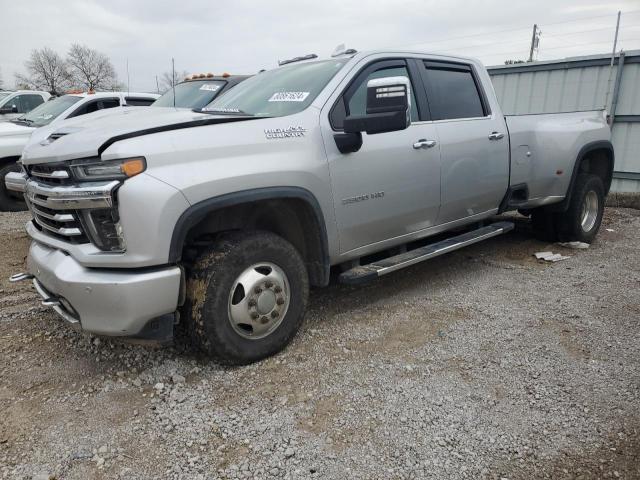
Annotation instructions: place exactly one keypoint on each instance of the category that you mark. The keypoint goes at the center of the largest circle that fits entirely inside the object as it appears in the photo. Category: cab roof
(110, 94)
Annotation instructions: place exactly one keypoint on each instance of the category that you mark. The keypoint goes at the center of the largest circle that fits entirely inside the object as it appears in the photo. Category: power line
(528, 27)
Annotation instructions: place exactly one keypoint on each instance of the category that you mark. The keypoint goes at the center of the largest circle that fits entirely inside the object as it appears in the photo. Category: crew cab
(15, 104)
(220, 220)
(14, 135)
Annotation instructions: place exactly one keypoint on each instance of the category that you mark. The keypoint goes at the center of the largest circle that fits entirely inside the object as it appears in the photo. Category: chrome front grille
(52, 175)
(65, 225)
(62, 211)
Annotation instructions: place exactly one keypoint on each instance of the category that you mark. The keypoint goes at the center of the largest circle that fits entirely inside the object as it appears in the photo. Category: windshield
(191, 94)
(279, 92)
(3, 95)
(45, 113)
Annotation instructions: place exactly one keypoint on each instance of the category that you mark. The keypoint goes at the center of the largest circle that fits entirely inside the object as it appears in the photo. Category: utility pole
(535, 41)
(157, 85)
(613, 57)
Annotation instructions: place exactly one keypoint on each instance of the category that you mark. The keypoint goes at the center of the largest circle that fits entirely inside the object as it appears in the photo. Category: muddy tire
(246, 297)
(10, 201)
(582, 219)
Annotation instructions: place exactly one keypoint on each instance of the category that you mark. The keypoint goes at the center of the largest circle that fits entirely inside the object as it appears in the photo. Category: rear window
(453, 92)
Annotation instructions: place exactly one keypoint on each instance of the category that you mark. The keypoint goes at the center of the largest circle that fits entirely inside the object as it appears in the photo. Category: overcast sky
(242, 36)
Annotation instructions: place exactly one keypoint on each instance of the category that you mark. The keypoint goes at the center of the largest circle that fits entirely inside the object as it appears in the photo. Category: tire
(10, 202)
(233, 289)
(581, 221)
(544, 225)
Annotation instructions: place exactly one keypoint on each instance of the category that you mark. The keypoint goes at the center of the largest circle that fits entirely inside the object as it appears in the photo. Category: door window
(453, 91)
(354, 99)
(29, 102)
(96, 105)
(17, 101)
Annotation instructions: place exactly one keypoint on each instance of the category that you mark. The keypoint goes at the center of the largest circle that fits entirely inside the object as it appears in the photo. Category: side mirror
(9, 109)
(388, 107)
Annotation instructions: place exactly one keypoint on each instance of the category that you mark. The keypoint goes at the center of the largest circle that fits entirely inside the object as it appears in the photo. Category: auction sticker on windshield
(289, 96)
(212, 87)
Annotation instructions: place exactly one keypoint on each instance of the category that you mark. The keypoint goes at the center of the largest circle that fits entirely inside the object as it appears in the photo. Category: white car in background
(15, 104)
(15, 134)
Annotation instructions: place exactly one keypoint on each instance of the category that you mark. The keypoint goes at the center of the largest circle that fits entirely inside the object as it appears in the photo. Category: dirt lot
(481, 364)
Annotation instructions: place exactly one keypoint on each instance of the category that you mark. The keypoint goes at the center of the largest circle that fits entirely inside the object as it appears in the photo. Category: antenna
(173, 80)
(157, 85)
(613, 57)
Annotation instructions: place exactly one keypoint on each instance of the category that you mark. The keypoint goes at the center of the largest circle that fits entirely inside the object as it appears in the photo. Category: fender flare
(197, 212)
(584, 151)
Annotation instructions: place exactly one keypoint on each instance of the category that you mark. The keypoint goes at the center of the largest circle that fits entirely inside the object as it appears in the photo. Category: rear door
(388, 188)
(474, 147)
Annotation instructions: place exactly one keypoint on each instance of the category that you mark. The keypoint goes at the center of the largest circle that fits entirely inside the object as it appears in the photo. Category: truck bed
(544, 148)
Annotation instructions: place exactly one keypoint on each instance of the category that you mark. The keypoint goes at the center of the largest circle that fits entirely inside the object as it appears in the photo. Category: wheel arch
(596, 158)
(9, 159)
(291, 212)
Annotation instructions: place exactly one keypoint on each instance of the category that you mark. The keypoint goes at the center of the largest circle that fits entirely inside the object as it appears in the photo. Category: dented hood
(89, 138)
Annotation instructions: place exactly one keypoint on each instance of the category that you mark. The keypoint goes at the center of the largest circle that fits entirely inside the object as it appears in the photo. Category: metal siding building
(581, 83)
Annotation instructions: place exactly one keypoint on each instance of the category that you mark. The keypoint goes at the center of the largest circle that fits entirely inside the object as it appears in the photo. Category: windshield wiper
(22, 121)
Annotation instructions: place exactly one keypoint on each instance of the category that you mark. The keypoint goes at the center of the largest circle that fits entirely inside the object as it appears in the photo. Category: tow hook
(19, 277)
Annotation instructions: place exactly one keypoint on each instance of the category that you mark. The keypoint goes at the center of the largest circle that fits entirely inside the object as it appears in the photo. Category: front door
(390, 187)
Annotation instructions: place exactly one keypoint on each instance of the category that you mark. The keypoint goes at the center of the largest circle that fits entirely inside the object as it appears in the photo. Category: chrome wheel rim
(589, 211)
(259, 300)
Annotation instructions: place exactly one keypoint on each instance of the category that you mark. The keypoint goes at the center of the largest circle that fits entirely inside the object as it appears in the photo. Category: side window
(109, 103)
(453, 92)
(95, 105)
(29, 102)
(139, 101)
(354, 99)
(17, 101)
(84, 109)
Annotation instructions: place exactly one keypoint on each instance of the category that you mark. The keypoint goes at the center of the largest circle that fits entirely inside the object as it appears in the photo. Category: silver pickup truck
(221, 219)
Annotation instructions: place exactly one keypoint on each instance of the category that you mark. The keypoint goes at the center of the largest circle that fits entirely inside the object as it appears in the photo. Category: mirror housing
(388, 107)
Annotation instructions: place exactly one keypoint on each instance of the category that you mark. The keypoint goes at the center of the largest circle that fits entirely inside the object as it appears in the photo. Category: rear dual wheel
(581, 221)
(246, 296)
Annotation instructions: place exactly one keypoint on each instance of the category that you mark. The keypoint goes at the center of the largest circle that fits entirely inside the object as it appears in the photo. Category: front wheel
(246, 296)
(582, 219)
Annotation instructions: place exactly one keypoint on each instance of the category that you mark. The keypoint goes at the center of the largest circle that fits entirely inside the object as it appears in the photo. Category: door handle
(496, 135)
(424, 143)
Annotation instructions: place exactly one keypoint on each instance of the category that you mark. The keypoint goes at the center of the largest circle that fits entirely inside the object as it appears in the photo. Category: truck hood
(67, 126)
(11, 129)
(83, 139)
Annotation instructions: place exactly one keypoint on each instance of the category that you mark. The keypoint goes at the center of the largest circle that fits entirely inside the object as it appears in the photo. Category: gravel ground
(481, 364)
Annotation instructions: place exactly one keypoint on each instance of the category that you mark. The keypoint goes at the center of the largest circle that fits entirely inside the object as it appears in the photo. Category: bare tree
(90, 69)
(46, 70)
(1, 82)
(166, 82)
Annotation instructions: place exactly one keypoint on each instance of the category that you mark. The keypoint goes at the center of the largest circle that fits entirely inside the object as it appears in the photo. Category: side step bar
(366, 273)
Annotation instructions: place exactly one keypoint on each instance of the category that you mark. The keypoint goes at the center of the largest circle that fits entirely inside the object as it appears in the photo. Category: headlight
(120, 169)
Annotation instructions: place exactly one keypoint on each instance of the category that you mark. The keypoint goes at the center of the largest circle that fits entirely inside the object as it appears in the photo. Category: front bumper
(112, 302)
